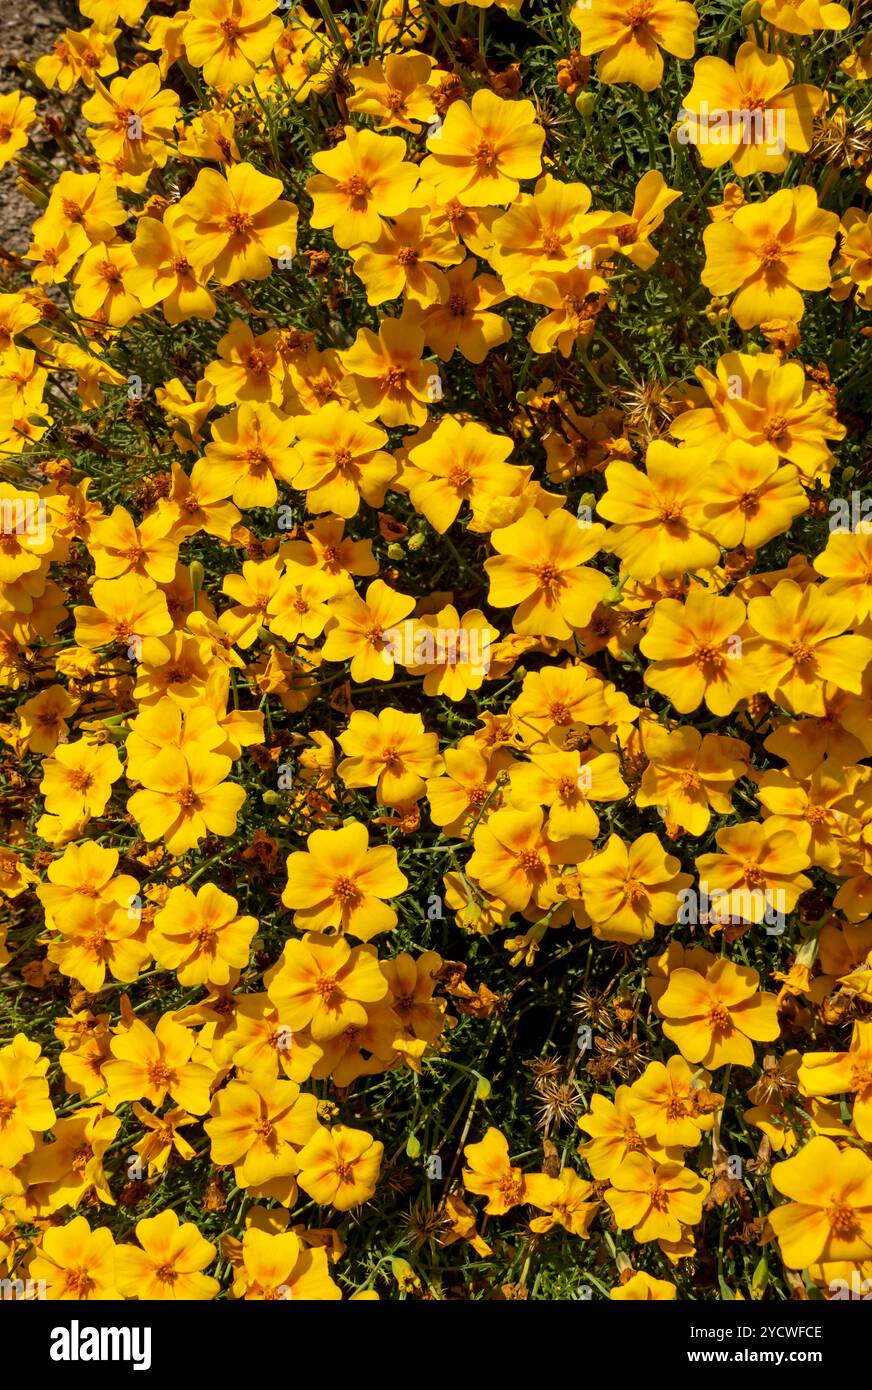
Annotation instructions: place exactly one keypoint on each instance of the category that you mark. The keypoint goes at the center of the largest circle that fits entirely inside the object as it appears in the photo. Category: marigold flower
(169, 1264)
(715, 1018)
(655, 1200)
(748, 113)
(626, 889)
(540, 567)
(697, 652)
(769, 253)
(323, 984)
(234, 224)
(201, 937)
(361, 180)
(660, 524)
(25, 1107)
(828, 1215)
(75, 1263)
(339, 1167)
(230, 39)
(365, 630)
(490, 1174)
(340, 881)
(629, 34)
(798, 640)
(481, 151)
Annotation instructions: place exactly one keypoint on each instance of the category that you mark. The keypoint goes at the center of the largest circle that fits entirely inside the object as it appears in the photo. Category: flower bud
(585, 104)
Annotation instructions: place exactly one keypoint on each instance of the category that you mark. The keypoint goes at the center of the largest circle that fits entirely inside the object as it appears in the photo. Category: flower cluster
(436, 653)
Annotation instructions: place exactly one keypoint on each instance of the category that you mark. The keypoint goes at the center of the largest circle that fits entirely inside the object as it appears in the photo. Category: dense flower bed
(436, 653)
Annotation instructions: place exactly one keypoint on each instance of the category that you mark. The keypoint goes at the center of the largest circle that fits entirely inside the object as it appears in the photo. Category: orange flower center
(754, 875)
(357, 189)
(550, 577)
(485, 156)
(187, 798)
(238, 223)
(749, 503)
(659, 1199)
(635, 892)
(771, 252)
(160, 1075)
(78, 1283)
(775, 428)
(719, 1019)
(709, 657)
(457, 306)
(407, 255)
(637, 15)
(530, 862)
(801, 652)
(843, 1220)
(80, 779)
(346, 891)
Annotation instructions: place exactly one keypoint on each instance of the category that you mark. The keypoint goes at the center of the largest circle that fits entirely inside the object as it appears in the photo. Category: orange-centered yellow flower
(769, 253)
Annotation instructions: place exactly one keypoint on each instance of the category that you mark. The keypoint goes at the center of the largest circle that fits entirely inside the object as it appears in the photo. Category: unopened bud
(585, 104)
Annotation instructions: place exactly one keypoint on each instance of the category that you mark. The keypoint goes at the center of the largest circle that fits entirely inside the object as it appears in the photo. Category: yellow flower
(480, 152)
(457, 462)
(655, 1201)
(390, 751)
(201, 937)
(805, 16)
(366, 630)
(169, 1264)
(233, 225)
(629, 34)
(715, 1018)
(258, 1125)
(250, 448)
(25, 1107)
(76, 1263)
(340, 460)
(403, 260)
(491, 1175)
(397, 89)
(515, 854)
(102, 293)
(797, 640)
(276, 1265)
(673, 1103)
(392, 383)
(828, 1215)
(339, 1167)
(834, 1073)
(162, 273)
(77, 780)
(660, 523)
(750, 498)
(324, 985)
(150, 1066)
(462, 320)
(564, 1199)
(644, 1288)
(17, 114)
(132, 122)
(769, 253)
(361, 180)
(540, 567)
(748, 113)
(340, 881)
(230, 39)
(184, 798)
(697, 653)
(626, 889)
